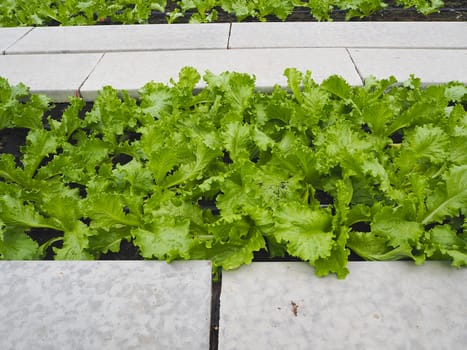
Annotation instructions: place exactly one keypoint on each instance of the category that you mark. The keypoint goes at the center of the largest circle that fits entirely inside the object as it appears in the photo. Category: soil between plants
(453, 10)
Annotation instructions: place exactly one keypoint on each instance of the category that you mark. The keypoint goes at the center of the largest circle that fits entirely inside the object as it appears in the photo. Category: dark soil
(215, 309)
(453, 10)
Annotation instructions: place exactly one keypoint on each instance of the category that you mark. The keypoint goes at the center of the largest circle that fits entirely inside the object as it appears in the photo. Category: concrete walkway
(64, 61)
(380, 306)
(152, 305)
(104, 305)
(266, 305)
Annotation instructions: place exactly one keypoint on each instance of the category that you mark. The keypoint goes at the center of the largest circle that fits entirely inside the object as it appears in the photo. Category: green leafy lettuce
(79, 12)
(314, 171)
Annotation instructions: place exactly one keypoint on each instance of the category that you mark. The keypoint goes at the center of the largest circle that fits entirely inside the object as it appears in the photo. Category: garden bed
(24, 13)
(452, 10)
(230, 173)
(448, 241)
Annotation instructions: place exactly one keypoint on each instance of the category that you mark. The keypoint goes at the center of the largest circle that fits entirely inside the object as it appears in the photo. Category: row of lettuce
(314, 171)
(79, 12)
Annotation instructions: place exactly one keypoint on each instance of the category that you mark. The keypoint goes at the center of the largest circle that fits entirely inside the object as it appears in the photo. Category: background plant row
(79, 12)
(313, 171)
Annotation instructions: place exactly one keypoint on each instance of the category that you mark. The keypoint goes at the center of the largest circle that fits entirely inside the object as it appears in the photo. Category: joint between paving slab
(355, 65)
(14, 42)
(78, 92)
(229, 35)
(66, 52)
(216, 287)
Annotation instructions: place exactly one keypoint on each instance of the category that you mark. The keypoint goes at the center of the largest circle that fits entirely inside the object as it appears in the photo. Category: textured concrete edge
(267, 65)
(431, 66)
(359, 68)
(140, 37)
(445, 35)
(433, 35)
(304, 266)
(58, 76)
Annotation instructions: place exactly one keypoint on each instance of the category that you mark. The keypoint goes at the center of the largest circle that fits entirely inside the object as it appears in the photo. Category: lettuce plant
(314, 171)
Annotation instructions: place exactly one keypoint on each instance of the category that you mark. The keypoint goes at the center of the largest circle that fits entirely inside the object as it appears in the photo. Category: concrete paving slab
(130, 71)
(58, 76)
(380, 305)
(8, 36)
(350, 34)
(431, 66)
(105, 305)
(74, 39)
